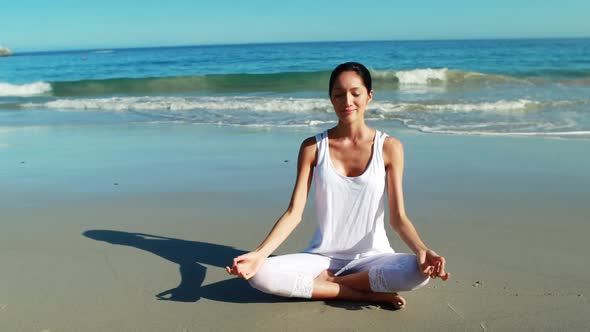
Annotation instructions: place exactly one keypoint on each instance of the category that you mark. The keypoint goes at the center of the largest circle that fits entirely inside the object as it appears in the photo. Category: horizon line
(181, 45)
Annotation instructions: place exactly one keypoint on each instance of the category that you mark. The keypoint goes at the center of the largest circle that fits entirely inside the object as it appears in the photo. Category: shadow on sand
(190, 255)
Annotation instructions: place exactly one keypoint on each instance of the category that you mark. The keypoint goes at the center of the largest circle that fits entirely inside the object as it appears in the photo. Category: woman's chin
(348, 117)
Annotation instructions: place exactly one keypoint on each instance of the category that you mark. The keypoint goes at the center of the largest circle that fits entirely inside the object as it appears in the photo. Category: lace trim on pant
(377, 280)
(303, 286)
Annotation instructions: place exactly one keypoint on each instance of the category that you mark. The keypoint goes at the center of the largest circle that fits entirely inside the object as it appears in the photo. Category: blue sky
(66, 24)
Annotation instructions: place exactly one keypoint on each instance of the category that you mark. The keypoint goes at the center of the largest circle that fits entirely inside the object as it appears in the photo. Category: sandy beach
(134, 237)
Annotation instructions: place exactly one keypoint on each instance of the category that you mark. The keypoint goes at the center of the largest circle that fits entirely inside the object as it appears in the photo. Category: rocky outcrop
(5, 51)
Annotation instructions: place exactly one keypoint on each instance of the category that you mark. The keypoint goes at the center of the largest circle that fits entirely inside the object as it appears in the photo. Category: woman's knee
(262, 281)
(401, 274)
(415, 278)
(283, 283)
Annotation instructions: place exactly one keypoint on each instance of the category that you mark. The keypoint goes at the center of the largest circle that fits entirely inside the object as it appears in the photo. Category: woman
(349, 257)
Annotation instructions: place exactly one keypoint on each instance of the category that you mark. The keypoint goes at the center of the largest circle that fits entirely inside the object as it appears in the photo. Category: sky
(29, 25)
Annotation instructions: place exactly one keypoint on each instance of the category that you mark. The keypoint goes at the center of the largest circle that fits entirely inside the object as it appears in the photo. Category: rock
(5, 51)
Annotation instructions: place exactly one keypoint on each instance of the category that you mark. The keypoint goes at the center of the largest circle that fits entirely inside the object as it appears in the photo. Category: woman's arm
(248, 264)
(431, 263)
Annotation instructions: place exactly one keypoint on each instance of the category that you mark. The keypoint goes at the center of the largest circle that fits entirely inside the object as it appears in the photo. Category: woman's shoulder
(393, 149)
(308, 150)
(315, 138)
(391, 142)
(312, 140)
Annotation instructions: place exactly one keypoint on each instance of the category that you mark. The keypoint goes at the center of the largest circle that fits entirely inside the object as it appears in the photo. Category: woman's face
(350, 97)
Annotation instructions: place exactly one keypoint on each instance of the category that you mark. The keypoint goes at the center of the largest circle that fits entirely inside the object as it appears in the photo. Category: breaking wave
(275, 82)
(24, 90)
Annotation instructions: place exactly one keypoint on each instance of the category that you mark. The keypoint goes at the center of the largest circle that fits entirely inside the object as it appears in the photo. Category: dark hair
(356, 67)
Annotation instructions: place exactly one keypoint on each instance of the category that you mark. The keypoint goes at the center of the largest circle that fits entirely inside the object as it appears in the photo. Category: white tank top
(349, 209)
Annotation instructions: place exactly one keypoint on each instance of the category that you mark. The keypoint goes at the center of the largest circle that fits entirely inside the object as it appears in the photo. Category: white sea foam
(258, 104)
(522, 117)
(429, 78)
(319, 123)
(423, 76)
(378, 109)
(582, 134)
(275, 104)
(495, 106)
(561, 128)
(23, 90)
(498, 106)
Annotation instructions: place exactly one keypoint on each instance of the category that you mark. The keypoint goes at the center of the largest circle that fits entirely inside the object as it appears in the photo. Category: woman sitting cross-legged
(355, 168)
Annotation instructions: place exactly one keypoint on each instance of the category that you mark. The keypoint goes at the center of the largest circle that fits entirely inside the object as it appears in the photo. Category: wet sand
(510, 215)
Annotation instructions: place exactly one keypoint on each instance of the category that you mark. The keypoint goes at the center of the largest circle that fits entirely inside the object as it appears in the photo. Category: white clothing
(349, 209)
(292, 275)
(350, 236)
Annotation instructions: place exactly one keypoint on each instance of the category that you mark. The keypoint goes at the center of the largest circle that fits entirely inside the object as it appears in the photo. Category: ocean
(537, 88)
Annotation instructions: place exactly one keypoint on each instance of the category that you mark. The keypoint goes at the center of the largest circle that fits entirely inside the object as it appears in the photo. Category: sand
(510, 215)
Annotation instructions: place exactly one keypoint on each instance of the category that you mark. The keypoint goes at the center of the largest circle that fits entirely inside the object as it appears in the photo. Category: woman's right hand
(246, 265)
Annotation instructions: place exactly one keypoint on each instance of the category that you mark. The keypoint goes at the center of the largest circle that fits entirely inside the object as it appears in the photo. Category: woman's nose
(349, 99)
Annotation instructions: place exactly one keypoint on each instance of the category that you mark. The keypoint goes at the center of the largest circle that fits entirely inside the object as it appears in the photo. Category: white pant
(292, 275)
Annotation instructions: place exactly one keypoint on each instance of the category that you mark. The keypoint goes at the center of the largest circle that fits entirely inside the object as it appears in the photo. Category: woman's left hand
(432, 265)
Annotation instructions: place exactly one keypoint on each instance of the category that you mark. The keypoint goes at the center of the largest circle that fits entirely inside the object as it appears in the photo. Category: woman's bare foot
(396, 300)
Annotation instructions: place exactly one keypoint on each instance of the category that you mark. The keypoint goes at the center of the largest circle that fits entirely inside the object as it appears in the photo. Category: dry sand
(154, 263)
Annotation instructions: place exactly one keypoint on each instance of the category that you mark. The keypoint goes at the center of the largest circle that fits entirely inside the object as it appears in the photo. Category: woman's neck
(354, 131)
